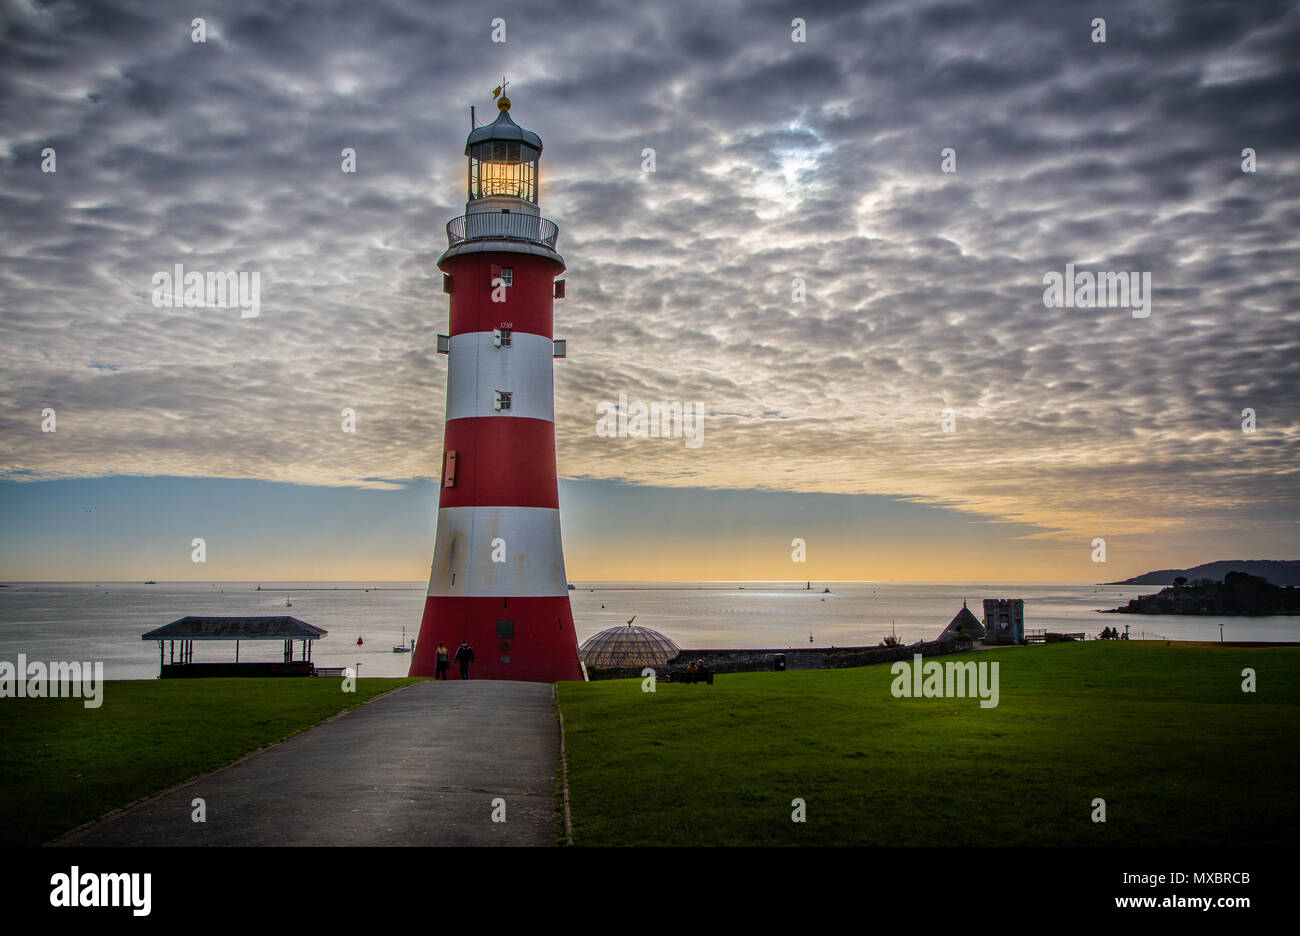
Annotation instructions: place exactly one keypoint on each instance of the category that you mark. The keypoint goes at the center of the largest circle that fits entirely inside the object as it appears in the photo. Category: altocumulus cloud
(774, 160)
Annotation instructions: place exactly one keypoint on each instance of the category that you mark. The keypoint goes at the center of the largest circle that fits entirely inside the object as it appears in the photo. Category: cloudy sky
(774, 159)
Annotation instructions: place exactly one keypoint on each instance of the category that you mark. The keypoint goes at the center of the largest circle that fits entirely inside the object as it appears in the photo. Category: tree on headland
(1238, 593)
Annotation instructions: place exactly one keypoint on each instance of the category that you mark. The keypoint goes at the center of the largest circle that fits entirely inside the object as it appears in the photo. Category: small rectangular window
(449, 469)
(502, 404)
(508, 276)
(501, 337)
(446, 283)
(561, 348)
(444, 344)
(558, 292)
(505, 630)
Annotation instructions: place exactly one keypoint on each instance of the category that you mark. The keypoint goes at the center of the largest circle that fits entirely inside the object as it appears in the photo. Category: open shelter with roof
(179, 636)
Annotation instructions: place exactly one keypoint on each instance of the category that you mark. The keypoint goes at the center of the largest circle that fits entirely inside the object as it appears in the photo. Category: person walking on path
(444, 661)
(464, 656)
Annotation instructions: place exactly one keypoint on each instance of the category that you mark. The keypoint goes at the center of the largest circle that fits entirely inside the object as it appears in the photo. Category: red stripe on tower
(501, 463)
(529, 296)
(497, 581)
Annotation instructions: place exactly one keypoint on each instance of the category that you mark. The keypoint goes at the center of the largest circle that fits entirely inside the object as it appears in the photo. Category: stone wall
(757, 661)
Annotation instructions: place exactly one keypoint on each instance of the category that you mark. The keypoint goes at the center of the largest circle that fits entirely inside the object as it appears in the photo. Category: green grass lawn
(62, 764)
(1162, 732)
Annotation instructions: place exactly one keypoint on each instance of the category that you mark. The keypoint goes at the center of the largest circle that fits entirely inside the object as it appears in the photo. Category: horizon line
(580, 582)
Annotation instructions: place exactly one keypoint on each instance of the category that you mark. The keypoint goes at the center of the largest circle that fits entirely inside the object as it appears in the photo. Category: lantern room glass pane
(503, 167)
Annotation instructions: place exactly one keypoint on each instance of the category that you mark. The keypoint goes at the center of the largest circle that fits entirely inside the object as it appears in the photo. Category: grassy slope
(1163, 733)
(147, 736)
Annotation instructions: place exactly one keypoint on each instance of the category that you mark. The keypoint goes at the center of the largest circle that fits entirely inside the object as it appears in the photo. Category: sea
(104, 621)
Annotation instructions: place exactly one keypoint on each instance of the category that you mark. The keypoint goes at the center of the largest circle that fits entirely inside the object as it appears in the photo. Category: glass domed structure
(628, 645)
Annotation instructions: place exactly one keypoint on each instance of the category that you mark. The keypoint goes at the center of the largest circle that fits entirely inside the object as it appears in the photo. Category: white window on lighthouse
(502, 402)
(508, 276)
(500, 337)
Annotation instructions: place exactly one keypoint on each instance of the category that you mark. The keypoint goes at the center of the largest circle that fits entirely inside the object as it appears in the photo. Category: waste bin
(779, 663)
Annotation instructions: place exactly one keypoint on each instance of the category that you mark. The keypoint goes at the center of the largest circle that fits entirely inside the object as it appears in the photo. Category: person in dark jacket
(464, 656)
(443, 661)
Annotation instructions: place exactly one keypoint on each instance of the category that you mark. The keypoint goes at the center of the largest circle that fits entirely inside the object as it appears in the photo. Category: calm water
(84, 621)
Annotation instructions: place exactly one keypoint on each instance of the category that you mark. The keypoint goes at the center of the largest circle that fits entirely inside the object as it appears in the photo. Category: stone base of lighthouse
(540, 650)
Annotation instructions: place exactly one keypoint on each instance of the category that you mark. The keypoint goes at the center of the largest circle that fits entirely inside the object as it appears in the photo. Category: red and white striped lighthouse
(498, 564)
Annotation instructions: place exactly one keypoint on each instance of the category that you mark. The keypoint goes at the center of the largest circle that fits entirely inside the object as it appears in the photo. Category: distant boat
(572, 587)
(403, 648)
(360, 641)
(826, 591)
(287, 602)
(151, 582)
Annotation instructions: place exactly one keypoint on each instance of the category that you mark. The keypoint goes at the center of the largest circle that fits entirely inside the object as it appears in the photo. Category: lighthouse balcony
(502, 225)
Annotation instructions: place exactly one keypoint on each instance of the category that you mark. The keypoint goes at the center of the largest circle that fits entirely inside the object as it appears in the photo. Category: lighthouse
(497, 578)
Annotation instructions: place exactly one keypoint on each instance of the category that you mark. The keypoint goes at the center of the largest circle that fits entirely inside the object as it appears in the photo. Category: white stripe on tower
(528, 539)
(476, 369)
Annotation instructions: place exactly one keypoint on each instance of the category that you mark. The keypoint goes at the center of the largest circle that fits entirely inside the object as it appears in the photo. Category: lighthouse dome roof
(503, 128)
(628, 645)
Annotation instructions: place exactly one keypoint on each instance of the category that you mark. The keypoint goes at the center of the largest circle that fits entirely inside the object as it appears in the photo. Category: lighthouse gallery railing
(503, 224)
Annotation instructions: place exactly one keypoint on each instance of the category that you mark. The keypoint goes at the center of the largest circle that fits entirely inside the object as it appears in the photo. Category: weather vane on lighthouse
(498, 580)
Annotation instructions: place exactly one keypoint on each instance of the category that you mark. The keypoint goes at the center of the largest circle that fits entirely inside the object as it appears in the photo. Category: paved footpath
(419, 766)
